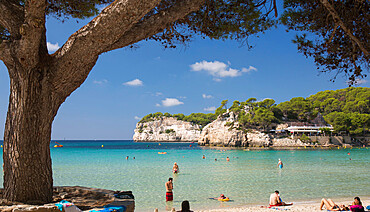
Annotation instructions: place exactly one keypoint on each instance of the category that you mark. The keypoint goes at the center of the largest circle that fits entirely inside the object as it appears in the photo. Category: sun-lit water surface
(248, 178)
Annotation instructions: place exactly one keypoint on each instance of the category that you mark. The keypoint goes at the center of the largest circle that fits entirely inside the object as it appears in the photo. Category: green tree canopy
(335, 33)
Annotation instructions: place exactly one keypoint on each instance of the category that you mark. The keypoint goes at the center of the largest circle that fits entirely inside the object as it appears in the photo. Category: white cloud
(135, 82)
(219, 69)
(249, 69)
(100, 82)
(182, 97)
(360, 81)
(217, 79)
(205, 96)
(137, 118)
(157, 105)
(169, 102)
(52, 47)
(213, 108)
(357, 82)
(158, 94)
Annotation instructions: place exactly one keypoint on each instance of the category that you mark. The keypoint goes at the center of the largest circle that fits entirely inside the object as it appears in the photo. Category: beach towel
(279, 209)
(111, 209)
(119, 208)
(67, 206)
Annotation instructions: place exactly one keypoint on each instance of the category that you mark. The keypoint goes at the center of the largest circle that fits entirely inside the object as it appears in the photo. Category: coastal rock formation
(166, 129)
(223, 132)
(287, 142)
(256, 138)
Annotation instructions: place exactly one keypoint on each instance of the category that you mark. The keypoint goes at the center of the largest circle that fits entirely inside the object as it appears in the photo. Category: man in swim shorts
(169, 188)
(275, 200)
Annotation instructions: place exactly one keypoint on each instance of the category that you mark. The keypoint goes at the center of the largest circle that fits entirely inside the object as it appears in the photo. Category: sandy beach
(297, 207)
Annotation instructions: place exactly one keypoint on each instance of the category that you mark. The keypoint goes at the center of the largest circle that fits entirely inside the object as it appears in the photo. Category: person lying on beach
(275, 200)
(331, 206)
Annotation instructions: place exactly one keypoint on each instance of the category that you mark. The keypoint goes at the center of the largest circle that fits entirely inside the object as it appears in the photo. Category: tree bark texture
(27, 162)
(40, 83)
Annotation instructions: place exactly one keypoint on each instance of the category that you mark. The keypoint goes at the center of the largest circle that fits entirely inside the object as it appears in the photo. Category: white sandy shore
(301, 206)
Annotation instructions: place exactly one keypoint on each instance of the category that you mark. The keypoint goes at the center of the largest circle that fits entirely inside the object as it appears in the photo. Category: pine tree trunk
(26, 156)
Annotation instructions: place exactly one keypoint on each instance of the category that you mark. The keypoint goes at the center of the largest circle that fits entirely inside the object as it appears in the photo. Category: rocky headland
(226, 132)
(166, 129)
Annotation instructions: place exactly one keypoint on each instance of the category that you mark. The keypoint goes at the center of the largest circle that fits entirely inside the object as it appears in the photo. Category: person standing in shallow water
(280, 164)
(169, 188)
(175, 168)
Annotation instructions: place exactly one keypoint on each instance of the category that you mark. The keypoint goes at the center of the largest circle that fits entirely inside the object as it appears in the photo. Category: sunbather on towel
(275, 200)
(331, 206)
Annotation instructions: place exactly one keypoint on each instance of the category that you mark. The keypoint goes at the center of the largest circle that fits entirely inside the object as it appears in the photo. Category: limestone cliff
(166, 129)
(223, 132)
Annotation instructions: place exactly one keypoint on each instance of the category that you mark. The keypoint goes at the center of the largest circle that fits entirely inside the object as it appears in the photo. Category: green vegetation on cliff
(201, 119)
(347, 110)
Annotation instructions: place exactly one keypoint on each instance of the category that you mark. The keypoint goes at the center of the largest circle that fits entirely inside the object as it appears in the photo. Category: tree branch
(156, 23)
(33, 41)
(338, 21)
(11, 16)
(74, 61)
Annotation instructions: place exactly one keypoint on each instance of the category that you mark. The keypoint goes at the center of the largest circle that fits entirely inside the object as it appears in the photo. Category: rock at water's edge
(223, 132)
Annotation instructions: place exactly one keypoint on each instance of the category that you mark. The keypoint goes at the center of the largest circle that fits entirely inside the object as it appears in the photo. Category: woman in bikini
(331, 206)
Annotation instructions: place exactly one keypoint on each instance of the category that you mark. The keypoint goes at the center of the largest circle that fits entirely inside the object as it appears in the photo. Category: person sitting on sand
(275, 200)
(331, 206)
(175, 168)
(185, 206)
(357, 205)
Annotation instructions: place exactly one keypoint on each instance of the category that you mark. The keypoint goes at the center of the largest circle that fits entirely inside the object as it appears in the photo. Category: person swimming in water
(221, 197)
(280, 164)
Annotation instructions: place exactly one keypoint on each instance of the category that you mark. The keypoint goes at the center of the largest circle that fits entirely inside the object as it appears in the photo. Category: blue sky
(126, 85)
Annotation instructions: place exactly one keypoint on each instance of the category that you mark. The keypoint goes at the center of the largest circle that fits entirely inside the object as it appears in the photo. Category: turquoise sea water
(248, 178)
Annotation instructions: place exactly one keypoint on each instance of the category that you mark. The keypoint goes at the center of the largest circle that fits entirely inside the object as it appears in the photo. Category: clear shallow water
(248, 178)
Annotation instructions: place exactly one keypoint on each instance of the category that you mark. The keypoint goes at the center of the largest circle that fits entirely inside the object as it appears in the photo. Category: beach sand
(297, 207)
